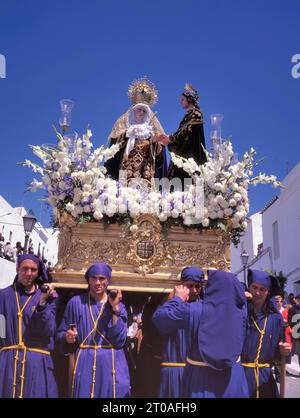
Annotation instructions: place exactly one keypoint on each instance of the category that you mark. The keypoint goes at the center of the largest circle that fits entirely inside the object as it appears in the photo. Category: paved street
(292, 387)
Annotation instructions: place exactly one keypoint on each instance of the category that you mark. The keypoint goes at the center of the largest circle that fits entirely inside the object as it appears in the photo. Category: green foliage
(119, 218)
(282, 280)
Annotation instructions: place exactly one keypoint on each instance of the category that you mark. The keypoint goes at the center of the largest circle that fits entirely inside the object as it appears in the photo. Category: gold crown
(190, 91)
(143, 91)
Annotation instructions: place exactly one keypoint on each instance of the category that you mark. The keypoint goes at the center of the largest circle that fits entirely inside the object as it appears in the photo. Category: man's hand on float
(248, 295)
(182, 292)
(114, 301)
(47, 293)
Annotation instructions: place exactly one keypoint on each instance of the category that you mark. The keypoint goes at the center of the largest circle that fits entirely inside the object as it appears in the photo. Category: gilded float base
(142, 258)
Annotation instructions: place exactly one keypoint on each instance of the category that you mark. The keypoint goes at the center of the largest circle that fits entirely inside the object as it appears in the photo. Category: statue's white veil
(122, 123)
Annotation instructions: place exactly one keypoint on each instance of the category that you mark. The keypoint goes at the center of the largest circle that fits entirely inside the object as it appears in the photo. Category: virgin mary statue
(137, 131)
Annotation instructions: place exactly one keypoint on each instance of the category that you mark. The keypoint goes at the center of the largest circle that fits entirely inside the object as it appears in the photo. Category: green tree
(282, 279)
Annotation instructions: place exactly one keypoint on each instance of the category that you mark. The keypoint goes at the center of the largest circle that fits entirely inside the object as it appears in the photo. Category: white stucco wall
(286, 211)
(11, 227)
(7, 273)
(249, 242)
(51, 250)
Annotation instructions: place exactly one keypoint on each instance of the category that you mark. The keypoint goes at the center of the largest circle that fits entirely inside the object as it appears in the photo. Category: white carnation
(98, 215)
(70, 207)
(163, 217)
(133, 228)
(220, 214)
(78, 210)
(228, 212)
(213, 215)
(205, 222)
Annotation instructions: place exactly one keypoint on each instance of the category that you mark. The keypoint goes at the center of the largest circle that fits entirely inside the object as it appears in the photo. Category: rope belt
(23, 347)
(164, 364)
(202, 363)
(256, 365)
(94, 347)
(196, 363)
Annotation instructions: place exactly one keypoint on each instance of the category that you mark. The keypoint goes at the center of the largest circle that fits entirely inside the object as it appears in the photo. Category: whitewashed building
(272, 238)
(44, 240)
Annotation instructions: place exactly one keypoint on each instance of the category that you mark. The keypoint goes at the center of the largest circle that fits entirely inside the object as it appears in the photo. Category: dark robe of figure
(26, 366)
(101, 369)
(188, 142)
(145, 158)
(214, 330)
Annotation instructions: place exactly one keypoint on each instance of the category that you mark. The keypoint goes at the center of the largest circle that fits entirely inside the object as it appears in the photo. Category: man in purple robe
(27, 333)
(265, 332)
(94, 329)
(174, 344)
(215, 331)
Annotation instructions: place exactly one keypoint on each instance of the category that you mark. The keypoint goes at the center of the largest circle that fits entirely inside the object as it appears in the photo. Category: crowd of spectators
(11, 253)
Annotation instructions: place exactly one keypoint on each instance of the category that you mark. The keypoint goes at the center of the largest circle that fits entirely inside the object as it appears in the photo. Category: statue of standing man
(188, 141)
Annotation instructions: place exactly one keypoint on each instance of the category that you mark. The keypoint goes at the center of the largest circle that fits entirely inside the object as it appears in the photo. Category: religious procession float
(121, 204)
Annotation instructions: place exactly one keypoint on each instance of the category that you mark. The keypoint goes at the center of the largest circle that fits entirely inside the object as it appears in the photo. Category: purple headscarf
(221, 327)
(265, 279)
(99, 269)
(42, 271)
(192, 273)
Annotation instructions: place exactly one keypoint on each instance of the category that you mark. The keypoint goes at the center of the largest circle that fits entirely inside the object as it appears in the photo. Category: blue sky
(237, 53)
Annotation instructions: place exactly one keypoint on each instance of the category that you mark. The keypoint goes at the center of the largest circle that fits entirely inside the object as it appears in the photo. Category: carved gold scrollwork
(66, 224)
(204, 255)
(142, 248)
(143, 244)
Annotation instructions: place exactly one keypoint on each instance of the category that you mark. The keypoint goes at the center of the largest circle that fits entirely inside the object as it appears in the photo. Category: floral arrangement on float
(76, 182)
